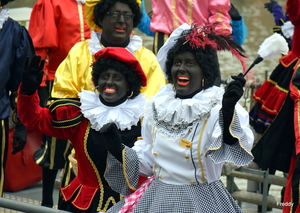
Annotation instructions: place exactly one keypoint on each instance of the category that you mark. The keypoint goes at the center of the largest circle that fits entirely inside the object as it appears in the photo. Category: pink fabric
(170, 14)
(132, 199)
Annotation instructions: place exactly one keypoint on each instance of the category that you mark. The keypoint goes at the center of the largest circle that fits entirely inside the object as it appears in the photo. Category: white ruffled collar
(174, 117)
(82, 1)
(135, 43)
(4, 14)
(124, 115)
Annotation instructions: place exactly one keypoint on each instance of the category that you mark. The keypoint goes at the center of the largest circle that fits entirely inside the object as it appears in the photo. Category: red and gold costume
(276, 117)
(66, 119)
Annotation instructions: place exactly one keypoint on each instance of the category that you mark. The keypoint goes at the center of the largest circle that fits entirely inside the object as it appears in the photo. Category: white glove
(287, 29)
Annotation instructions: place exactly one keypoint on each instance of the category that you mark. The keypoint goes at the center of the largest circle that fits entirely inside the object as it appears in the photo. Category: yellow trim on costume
(101, 188)
(67, 120)
(60, 105)
(166, 36)
(38, 161)
(67, 148)
(124, 170)
(67, 171)
(3, 143)
(199, 149)
(278, 87)
(230, 131)
(219, 19)
(190, 12)
(291, 208)
(175, 18)
(81, 20)
(52, 154)
(287, 65)
(110, 199)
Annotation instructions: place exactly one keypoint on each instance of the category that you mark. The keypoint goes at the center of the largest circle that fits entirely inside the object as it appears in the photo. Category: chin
(182, 90)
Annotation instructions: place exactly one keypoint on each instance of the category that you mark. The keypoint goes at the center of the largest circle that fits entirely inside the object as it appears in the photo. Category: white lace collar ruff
(82, 1)
(176, 111)
(124, 115)
(4, 14)
(135, 43)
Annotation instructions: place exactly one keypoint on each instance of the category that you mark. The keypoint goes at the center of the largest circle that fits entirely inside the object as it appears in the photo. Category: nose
(121, 18)
(110, 80)
(182, 67)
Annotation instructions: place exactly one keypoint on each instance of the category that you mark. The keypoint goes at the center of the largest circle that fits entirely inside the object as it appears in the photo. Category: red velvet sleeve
(42, 119)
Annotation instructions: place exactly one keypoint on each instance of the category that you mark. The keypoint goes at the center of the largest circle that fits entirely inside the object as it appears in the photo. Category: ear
(100, 23)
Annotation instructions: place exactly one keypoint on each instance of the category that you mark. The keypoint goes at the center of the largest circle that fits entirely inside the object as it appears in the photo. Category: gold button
(139, 138)
(192, 181)
(191, 130)
(155, 153)
(159, 176)
(187, 157)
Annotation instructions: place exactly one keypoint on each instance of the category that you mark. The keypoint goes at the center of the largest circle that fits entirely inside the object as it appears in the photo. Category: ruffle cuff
(239, 153)
(123, 178)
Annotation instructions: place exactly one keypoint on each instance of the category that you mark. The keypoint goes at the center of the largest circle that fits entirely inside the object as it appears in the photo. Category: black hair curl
(103, 64)
(103, 7)
(4, 2)
(207, 59)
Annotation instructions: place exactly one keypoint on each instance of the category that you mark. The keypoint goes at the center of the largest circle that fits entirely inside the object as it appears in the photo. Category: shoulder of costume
(66, 112)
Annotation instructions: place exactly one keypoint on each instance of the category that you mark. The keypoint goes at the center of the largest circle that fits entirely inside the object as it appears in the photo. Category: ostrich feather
(272, 46)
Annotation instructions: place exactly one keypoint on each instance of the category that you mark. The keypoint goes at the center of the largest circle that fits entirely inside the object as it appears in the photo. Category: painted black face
(186, 74)
(116, 29)
(112, 85)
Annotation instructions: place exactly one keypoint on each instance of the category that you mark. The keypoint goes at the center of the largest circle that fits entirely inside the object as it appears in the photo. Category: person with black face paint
(190, 128)
(117, 77)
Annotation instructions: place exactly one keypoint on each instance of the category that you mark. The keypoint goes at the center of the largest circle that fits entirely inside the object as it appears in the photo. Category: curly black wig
(103, 64)
(4, 2)
(207, 59)
(103, 7)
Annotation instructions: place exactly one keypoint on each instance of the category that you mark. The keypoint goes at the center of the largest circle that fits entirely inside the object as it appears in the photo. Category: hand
(33, 74)
(269, 6)
(232, 95)
(20, 138)
(287, 29)
(113, 140)
(234, 13)
(233, 92)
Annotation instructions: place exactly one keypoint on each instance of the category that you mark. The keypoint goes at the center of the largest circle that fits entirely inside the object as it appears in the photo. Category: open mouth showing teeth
(183, 80)
(109, 90)
(120, 29)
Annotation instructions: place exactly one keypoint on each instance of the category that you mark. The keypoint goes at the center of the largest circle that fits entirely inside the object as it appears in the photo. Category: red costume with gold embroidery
(89, 191)
(276, 117)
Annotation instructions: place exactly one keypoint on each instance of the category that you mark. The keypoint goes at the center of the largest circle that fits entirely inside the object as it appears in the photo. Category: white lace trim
(4, 14)
(173, 116)
(135, 43)
(124, 115)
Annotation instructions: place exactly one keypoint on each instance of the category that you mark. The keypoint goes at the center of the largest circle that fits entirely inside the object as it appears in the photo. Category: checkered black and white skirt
(195, 198)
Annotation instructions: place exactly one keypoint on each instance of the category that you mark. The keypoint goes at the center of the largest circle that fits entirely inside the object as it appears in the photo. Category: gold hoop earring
(173, 87)
(96, 89)
(130, 94)
(203, 82)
